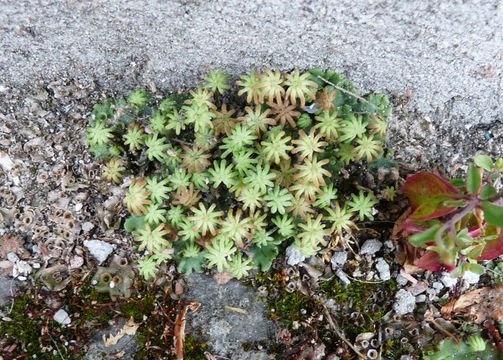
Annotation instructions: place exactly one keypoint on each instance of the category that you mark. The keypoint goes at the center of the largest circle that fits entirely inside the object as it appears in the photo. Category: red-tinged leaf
(493, 249)
(431, 261)
(427, 193)
(412, 228)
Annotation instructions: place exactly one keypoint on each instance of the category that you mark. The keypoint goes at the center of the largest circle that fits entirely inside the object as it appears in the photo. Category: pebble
(389, 244)
(383, 268)
(13, 258)
(471, 277)
(99, 249)
(62, 317)
(404, 302)
(343, 277)
(294, 256)
(437, 286)
(421, 298)
(339, 259)
(401, 280)
(447, 280)
(370, 247)
(87, 226)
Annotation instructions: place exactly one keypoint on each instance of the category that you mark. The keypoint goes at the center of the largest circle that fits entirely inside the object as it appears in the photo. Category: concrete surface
(229, 317)
(448, 53)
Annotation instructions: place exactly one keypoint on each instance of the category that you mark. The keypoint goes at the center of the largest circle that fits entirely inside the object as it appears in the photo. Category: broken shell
(67, 215)
(262, 291)
(292, 272)
(81, 197)
(106, 277)
(372, 354)
(291, 286)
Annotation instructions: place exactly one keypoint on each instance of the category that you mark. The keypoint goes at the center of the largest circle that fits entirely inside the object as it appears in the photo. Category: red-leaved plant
(457, 223)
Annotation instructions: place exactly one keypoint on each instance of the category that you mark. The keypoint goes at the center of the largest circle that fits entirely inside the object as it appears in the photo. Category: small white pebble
(62, 317)
(370, 247)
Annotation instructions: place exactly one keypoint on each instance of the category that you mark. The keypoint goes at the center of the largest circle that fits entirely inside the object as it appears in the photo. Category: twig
(54, 342)
(339, 333)
(347, 91)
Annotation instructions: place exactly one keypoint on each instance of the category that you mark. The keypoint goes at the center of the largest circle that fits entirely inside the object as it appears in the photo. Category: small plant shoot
(460, 222)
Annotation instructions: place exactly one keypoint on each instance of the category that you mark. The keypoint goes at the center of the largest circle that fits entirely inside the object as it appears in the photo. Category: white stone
(343, 277)
(5, 162)
(62, 317)
(370, 247)
(448, 280)
(294, 256)
(420, 298)
(99, 249)
(401, 280)
(13, 258)
(78, 207)
(87, 226)
(404, 302)
(383, 268)
(23, 267)
(389, 244)
(339, 259)
(471, 277)
(437, 285)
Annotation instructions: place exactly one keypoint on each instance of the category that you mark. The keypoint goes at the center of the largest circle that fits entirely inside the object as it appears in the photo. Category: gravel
(383, 268)
(370, 247)
(99, 249)
(404, 302)
(294, 256)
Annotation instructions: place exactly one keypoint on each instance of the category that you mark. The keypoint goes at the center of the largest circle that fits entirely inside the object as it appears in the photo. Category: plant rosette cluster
(460, 222)
(226, 188)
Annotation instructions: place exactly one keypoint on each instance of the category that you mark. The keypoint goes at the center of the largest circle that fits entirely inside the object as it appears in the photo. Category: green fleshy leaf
(263, 256)
(484, 161)
(421, 239)
(134, 223)
(493, 213)
(473, 180)
(488, 192)
(474, 268)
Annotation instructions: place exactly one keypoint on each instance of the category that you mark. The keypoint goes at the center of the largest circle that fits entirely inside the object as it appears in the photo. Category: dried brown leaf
(481, 304)
(129, 328)
(10, 242)
(222, 277)
(180, 329)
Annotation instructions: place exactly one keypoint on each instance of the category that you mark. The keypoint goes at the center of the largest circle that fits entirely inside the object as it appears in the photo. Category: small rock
(99, 249)
(389, 244)
(437, 286)
(401, 280)
(383, 268)
(339, 259)
(87, 226)
(370, 247)
(294, 256)
(421, 298)
(471, 277)
(447, 280)
(343, 277)
(21, 268)
(13, 258)
(404, 302)
(62, 317)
